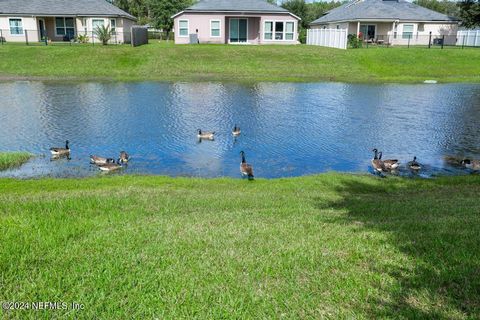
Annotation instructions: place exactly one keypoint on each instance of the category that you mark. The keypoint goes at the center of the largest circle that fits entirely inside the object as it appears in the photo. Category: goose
(471, 164)
(100, 160)
(124, 157)
(378, 164)
(236, 131)
(205, 134)
(245, 168)
(60, 151)
(110, 166)
(390, 164)
(414, 165)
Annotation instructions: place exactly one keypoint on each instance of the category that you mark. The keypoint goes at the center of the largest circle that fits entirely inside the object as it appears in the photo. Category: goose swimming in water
(471, 164)
(110, 166)
(205, 134)
(414, 165)
(100, 160)
(58, 151)
(236, 131)
(377, 163)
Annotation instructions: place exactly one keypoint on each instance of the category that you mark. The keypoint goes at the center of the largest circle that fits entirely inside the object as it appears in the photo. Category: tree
(447, 7)
(298, 8)
(470, 13)
(161, 12)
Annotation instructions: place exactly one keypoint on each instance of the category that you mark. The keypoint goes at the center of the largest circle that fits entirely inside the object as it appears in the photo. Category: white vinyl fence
(333, 38)
(468, 38)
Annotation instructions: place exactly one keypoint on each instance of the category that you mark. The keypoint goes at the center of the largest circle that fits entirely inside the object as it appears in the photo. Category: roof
(62, 8)
(235, 5)
(246, 6)
(382, 10)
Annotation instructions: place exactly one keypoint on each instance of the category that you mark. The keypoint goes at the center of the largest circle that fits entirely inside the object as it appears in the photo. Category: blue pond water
(288, 129)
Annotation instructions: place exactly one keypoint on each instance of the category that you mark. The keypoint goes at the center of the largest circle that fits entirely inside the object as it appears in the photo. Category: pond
(288, 129)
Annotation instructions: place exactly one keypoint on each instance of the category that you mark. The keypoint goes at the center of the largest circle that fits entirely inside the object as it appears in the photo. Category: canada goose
(236, 131)
(377, 164)
(100, 160)
(414, 165)
(60, 151)
(471, 164)
(205, 134)
(245, 168)
(111, 166)
(390, 164)
(124, 157)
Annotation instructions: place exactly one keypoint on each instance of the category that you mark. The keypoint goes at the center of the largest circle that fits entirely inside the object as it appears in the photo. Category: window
(183, 28)
(215, 28)
(113, 25)
(16, 27)
(279, 30)
(64, 27)
(96, 23)
(283, 30)
(407, 31)
(268, 34)
(289, 31)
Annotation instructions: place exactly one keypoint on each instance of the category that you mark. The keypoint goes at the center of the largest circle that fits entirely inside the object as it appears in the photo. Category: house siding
(201, 22)
(31, 27)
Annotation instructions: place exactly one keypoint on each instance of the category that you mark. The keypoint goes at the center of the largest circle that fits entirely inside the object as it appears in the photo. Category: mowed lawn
(329, 246)
(168, 62)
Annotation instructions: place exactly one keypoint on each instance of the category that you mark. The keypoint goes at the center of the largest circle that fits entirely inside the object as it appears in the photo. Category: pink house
(235, 22)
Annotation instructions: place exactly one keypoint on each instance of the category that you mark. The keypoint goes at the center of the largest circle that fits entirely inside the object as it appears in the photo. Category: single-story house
(61, 20)
(236, 22)
(390, 21)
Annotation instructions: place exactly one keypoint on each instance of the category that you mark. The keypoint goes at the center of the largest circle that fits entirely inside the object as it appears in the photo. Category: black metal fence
(430, 41)
(35, 37)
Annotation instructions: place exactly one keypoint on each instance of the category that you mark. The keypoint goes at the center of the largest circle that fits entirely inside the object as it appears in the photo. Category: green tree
(298, 8)
(161, 12)
(470, 13)
(444, 6)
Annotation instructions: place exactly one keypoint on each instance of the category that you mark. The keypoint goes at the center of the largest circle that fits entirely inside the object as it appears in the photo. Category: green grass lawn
(169, 62)
(10, 160)
(333, 246)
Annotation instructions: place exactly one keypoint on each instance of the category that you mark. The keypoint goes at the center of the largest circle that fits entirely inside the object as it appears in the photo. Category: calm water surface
(288, 129)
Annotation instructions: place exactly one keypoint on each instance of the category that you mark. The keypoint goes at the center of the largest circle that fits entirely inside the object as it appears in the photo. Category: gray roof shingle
(235, 5)
(62, 7)
(382, 10)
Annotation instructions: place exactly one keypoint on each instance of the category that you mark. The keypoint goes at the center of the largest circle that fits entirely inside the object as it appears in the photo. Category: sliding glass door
(238, 30)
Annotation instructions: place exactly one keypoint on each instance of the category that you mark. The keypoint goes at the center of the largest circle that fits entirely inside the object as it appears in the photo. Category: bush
(83, 38)
(104, 34)
(354, 41)
(302, 36)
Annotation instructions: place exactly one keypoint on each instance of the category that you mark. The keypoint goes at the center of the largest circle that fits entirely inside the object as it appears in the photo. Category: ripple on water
(288, 129)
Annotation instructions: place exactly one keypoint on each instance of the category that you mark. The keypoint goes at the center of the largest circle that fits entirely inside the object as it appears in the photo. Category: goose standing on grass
(245, 168)
(60, 151)
(100, 160)
(471, 164)
(236, 131)
(205, 134)
(414, 165)
(110, 166)
(124, 157)
(390, 164)
(377, 164)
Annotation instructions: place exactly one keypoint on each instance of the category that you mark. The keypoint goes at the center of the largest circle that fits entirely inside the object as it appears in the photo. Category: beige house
(61, 20)
(396, 22)
(235, 22)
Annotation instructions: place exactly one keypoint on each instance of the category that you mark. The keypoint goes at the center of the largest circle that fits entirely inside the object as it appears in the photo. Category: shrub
(354, 41)
(83, 38)
(302, 35)
(104, 34)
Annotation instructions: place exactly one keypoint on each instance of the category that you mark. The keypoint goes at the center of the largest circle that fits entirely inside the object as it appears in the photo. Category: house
(61, 20)
(395, 22)
(236, 22)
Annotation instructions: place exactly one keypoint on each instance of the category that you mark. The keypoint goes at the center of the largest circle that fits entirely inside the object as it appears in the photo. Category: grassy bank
(13, 159)
(333, 246)
(166, 61)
